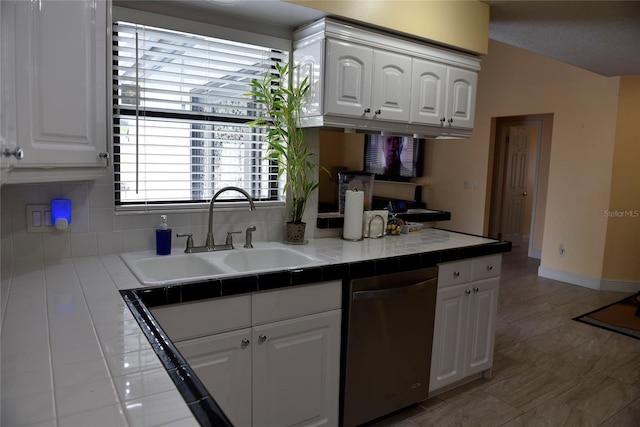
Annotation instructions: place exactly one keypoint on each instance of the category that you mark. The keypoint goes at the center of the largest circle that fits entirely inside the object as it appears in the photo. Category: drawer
(454, 273)
(486, 267)
(280, 304)
(200, 318)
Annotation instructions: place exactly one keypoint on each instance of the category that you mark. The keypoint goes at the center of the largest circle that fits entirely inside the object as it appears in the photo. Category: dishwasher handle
(393, 292)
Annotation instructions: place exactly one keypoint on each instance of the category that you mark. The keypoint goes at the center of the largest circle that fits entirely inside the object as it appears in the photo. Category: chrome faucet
(209, 245)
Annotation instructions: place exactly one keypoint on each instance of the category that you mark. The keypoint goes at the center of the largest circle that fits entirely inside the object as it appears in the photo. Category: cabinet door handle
(104, 155)
(442, 120)
(262, 338)
(377, 113)
(475, 289)
(245, 342)
(467, 291)
(17, 152)
(456, 274)
(367, 110)
(489, 267)
(450, 121)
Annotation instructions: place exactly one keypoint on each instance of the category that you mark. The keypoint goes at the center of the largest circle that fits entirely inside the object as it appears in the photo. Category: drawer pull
(489, 267)
(456, 274)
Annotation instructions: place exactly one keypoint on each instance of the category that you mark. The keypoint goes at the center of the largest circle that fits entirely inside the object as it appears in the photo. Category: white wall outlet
(39, 219)
(561, 250)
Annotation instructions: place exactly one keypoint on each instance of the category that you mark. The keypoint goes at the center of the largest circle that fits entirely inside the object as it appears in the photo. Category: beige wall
(463, 24)
(622, 249)
(338, 149)
(516, 82)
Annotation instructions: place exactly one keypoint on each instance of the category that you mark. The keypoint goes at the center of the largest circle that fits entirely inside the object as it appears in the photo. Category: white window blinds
(180, 113)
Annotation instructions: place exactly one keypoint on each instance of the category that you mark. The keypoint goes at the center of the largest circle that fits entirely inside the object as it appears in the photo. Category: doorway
(520, 165)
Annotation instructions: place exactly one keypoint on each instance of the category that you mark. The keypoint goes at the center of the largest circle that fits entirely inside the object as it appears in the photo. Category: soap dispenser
(163, 237)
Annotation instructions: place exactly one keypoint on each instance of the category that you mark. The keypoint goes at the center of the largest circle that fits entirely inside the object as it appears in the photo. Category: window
(180, 114)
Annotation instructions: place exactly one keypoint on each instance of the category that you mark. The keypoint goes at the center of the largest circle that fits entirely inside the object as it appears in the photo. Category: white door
(348, 79)
(449, 336)
(61, 62)
(307, 60)
(515, 184)
(222, 362)
(482, 323)
(428, 92)
(7, 89)
(461, 97)
(391, 90)
(296, 366)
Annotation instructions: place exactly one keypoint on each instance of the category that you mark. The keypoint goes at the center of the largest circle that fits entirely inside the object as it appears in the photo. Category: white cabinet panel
(391, 90)
(461, 97)
(223, 364)
(296, 367)
(428, 93)
(482, 320)
(60, 74)
(348, 73)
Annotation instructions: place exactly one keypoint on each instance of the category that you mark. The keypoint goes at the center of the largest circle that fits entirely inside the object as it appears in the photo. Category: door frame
(498, 167)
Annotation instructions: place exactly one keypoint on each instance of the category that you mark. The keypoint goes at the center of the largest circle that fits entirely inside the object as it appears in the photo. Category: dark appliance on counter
(389, 337)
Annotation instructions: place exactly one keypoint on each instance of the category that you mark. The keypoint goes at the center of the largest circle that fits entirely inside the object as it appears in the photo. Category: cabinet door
(60, 65)
(449, 336)
(391, 90)
(428, 92)
(348, 80)
(7, 88)
(222, 362)
(308, 63)
(296, 365)
(461, 97)
(482, 325)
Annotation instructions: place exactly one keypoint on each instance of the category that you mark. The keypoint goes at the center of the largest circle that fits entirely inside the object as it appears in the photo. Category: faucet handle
(229, 240)
(189, 237)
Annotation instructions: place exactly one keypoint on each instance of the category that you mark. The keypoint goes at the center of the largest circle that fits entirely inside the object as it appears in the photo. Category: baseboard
(589, 282)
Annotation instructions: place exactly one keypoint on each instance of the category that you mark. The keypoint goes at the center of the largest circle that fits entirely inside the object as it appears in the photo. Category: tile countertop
(73, 354)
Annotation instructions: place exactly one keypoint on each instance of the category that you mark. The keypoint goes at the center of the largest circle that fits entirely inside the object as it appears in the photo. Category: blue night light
(61, 213)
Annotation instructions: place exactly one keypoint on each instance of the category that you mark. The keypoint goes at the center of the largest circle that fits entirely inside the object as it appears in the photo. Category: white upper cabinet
(60, 66)
(367, 83)
(443, 95)
(369, 80)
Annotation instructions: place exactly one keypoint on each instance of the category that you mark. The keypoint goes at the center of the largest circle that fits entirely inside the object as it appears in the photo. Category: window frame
(277, 197)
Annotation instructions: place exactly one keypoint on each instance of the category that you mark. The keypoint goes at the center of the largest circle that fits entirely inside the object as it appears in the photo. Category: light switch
(36, 219)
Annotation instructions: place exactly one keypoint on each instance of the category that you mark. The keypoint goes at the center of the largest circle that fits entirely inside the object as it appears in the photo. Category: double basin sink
(151, 269)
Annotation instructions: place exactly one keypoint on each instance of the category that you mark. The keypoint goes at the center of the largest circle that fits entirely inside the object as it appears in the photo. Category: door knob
(17, 152)
(524, 193)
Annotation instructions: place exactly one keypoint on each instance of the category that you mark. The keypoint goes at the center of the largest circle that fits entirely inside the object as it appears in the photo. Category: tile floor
(548, 370)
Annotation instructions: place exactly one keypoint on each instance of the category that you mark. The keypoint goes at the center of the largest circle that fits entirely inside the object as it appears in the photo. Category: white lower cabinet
(222, 362)
(464, 327)
(296, 367)
(282, 371)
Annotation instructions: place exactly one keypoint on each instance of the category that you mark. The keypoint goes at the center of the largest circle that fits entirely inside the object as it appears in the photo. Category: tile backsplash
(97, 230)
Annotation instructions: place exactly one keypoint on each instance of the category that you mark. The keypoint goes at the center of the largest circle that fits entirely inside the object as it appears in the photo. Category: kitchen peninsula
(78, 334)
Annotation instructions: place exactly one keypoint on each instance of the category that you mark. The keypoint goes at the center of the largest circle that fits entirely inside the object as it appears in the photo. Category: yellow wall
(622, 250)
(463, 24)
(517, 82)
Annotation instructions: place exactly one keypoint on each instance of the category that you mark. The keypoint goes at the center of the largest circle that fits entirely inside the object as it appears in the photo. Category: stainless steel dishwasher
(389, 335)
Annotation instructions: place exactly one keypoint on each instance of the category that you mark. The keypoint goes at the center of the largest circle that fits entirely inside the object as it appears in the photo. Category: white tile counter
(72, 353)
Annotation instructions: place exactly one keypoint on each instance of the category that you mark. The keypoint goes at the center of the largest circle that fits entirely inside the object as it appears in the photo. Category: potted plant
(286, 144)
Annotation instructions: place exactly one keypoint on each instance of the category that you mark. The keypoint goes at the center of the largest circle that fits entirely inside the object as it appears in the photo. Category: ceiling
(600, 36)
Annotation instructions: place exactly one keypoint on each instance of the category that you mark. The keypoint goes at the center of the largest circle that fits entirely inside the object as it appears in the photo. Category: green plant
(286, 145)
